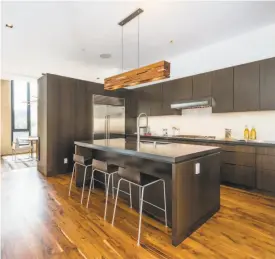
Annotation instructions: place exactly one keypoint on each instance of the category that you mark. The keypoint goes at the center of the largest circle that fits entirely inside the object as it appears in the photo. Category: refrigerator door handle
(108, 123)
(106, 127)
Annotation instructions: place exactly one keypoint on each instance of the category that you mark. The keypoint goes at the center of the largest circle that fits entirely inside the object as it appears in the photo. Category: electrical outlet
(197, 168)
(65, 160)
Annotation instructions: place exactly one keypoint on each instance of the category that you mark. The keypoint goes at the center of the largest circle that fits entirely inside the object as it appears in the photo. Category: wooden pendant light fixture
(149, 73)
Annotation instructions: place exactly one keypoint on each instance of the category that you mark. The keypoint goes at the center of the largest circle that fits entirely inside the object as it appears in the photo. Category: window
(33, 107)
(24, 109)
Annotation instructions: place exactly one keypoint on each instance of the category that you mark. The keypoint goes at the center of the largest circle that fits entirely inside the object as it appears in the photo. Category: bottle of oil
(253, 134)
(246, 133)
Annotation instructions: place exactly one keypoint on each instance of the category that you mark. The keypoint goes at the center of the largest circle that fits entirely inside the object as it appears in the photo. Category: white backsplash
(204, 122)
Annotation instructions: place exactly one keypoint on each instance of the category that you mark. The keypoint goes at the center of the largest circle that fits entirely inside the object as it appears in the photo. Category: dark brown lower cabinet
(266, 169)
(247, 166)
(240, 175)
(238, 158)
(266, 180)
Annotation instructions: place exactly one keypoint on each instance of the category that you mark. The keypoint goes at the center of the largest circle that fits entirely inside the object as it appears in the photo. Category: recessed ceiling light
(105, 55)
(98, 78)
(9, 25)
(171, 41)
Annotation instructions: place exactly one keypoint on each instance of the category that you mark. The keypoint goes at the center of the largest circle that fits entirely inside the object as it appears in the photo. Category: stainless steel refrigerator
(108, 117)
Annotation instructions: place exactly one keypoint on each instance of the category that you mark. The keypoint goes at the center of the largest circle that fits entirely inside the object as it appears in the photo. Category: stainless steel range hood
(191, 104)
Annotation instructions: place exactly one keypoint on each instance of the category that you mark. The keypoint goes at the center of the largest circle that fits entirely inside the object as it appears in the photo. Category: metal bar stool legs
(84, 179)
(71, 180)
(107, 177)
(141, 201)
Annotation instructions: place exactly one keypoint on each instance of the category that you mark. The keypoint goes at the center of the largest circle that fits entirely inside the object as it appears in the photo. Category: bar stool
(108, 171)
(133, 176)
(82, 161)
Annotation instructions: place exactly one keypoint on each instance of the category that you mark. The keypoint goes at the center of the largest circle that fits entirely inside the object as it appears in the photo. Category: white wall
(203, 122)
(256, 45)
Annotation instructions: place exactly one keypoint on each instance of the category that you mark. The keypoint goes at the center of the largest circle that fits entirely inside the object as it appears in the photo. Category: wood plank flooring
(40, 221)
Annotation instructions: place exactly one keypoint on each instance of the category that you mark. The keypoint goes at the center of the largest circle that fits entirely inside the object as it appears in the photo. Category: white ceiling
(67, 38)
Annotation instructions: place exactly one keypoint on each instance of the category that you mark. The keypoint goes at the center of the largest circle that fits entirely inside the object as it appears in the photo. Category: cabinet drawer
(240, 175)
(265, 162)
(266, 180)
(239, 158)
(266, 151)
(243, 149)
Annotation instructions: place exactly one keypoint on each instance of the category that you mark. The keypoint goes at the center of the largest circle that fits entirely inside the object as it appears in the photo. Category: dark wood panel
(42, 124)
(266, 151)
(240, 175)
(202, 85)
(267, 84)
(239, 158)
(83, 112)
(143, 105)
(173, 91)
(266, 180)
(179, 89)
(223, 90)
(154, 95)
(247, 87)
(266, 162)
(236, 148)
(201, 190)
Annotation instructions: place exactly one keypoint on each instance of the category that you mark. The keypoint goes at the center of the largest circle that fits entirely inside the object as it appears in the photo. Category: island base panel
(195, 195)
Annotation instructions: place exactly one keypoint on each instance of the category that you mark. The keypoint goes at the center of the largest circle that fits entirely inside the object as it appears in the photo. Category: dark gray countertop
(218, 141)
(169, 153)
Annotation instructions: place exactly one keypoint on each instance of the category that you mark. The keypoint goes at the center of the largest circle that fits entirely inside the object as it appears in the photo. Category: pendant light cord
(138, 40)
(122, 48)
(123, 42)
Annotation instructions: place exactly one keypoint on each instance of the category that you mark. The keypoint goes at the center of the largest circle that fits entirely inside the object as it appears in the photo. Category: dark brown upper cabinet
(267, 84)
(247, 87)
(223, 90)
(202, 85)
(149, 99)
(173, 91)
(143, 102)
(154, 95)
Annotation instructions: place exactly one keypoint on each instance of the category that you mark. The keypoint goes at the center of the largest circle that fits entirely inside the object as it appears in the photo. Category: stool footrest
(154, 205)
(122, 191)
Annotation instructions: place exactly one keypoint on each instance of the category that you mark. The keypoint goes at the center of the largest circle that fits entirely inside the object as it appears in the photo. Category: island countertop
(164, 152)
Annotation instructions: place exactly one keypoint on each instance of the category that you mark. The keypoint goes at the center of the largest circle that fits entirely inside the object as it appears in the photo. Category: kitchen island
(191, 174)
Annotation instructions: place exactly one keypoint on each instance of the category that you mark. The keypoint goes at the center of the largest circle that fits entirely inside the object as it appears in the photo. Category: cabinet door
(143, 104)
(266, 180)
(240, 175)
(239, 158)
(247, 87)
(175, 90)
(202, 85)
(267, 84)
(222, 90)
(154, 96)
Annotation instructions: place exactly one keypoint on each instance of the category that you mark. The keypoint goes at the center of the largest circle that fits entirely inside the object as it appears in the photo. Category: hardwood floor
(40, 221)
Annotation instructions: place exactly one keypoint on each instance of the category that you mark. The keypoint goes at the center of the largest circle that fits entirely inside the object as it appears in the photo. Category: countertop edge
(218, 141)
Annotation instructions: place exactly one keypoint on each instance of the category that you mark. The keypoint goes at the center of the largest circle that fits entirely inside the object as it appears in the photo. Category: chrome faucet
(138, 125)
(175, 129)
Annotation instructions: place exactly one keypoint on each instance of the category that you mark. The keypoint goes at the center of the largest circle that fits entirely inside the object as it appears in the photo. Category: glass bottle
(253, 134)
(246, 133)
